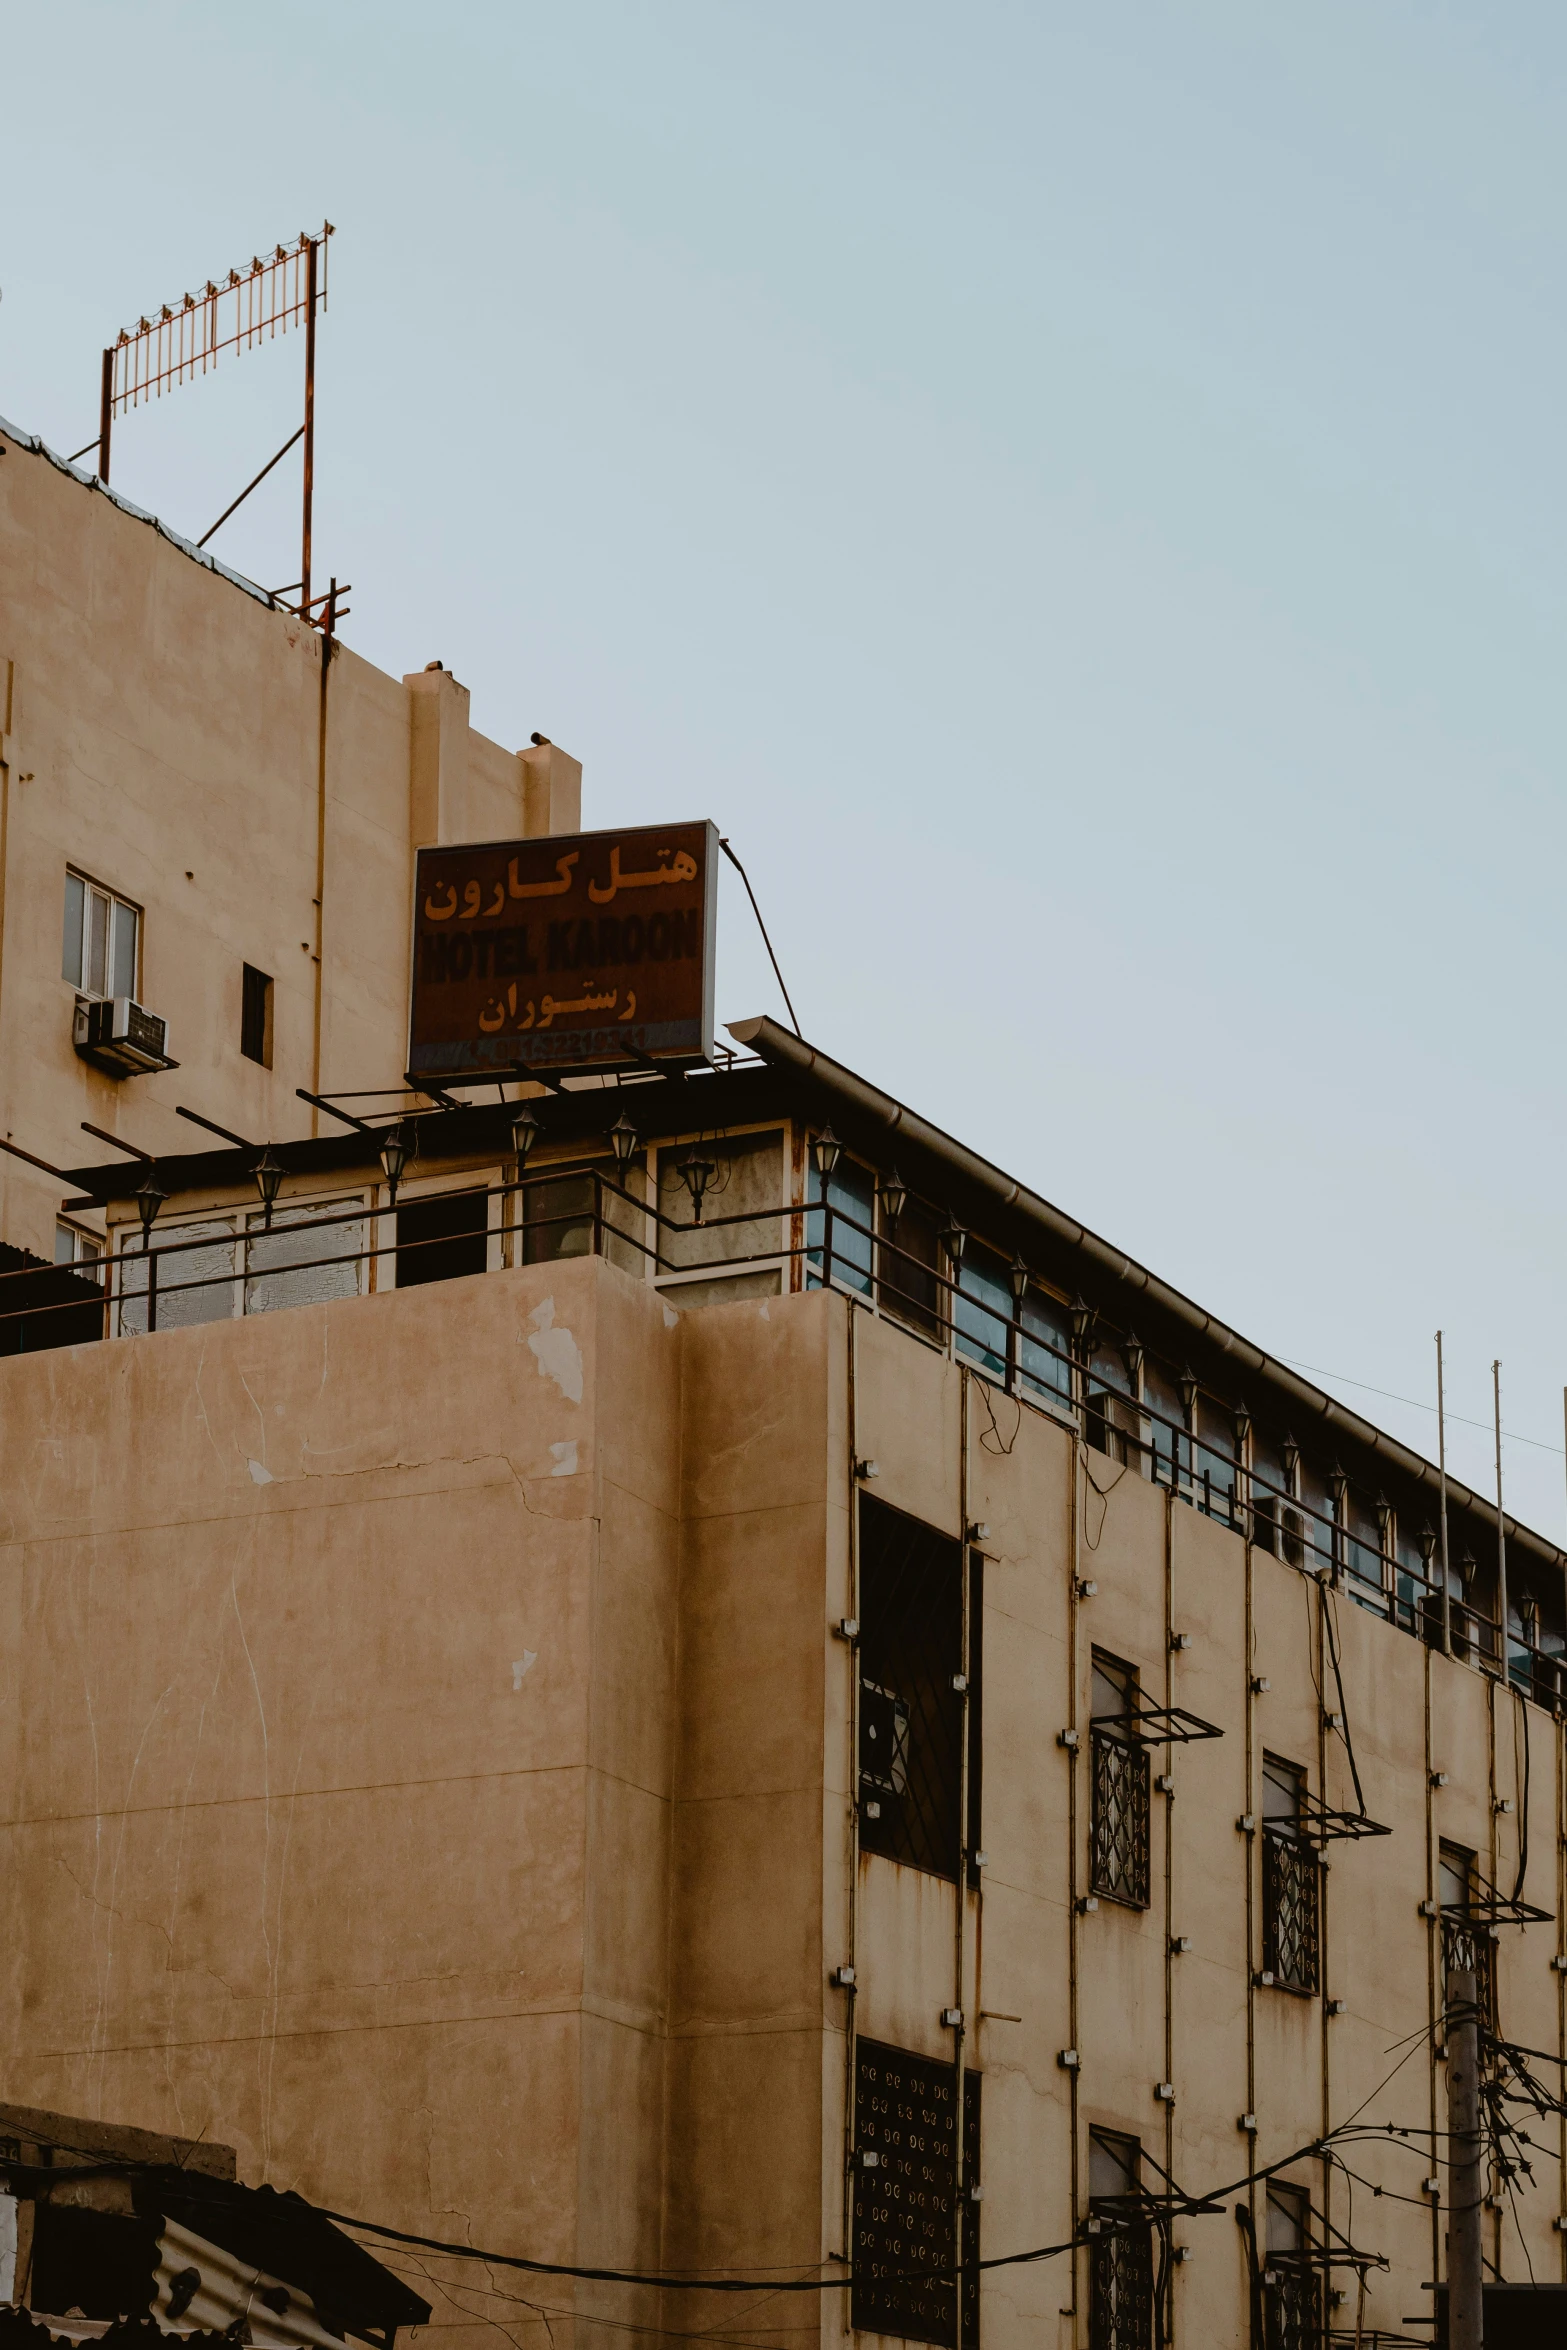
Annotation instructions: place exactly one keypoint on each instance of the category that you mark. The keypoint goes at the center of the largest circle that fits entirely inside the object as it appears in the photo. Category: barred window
(1118, 1865)
(1292, 2288)
(1467, 1947)
(908, 2215)
(1291, 1880)
(914, 1681)
(1120, 2276)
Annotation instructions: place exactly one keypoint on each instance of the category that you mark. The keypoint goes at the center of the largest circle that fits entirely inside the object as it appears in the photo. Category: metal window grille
(911, 1716)
(1291, 1889)
(1118, 1832)
(1467, 1948)
(1292, 2303)
(1120, 2294)
(907, 2212)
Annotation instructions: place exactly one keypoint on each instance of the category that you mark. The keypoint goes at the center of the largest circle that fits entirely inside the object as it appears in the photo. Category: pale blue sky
(1075, 493)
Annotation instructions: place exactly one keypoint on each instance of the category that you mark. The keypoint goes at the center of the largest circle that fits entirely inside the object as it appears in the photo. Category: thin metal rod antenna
(309, 427)
(1501, 1528)
(254, 485)
(1441, 1470)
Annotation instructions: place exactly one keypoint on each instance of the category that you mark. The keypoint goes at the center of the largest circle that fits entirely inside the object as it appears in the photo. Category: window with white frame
(102, 942)
(73, 1246)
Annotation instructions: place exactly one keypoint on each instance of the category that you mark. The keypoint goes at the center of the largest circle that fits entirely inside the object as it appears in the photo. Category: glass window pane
(71, 956)
(195, 1284)
(1045, 1351)
(851, 1194)
(97, 941)
(557, 1219)
(910, 1254)
(303, 1261)
(64, 1245)
(982, 1310)
(126, 922)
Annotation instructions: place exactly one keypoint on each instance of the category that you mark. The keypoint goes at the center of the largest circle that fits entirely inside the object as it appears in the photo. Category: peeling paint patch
(557, 1353)
(766, 1316)
(260, 1474)
(565, 1458)
(670, 1317)
(522, 1666)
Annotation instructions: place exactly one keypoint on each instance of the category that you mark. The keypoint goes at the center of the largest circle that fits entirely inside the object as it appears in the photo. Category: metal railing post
(152, 1289)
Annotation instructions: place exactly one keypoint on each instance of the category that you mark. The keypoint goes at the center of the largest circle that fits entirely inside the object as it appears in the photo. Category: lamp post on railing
(395, 1155)
(269, 1179)
(149, 1199)
(524, 1134)
(894, 1197)
(697, 1174)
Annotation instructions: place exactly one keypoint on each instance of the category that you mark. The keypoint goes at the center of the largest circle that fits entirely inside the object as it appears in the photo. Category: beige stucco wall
(167, 734)
(298, 1858)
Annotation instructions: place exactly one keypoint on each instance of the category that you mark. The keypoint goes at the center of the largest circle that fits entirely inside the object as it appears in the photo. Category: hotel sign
(581, 951)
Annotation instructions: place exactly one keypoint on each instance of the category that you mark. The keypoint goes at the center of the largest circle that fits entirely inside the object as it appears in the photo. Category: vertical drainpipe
(1074, 1780)
(1435, 1988)
(1323, 1880)
(850, 2033)
(1169, 1889)
(1248, 1803)
(1561, 1945)
(959, 2206)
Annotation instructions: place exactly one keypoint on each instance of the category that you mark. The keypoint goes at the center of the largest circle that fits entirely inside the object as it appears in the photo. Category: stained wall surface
(165, 733)
(430, 1769)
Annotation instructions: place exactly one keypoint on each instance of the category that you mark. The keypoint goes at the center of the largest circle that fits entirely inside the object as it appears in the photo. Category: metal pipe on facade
(959, 2197)
(1465, 2252)
(1441, 1457)
(1501, 1531)
(776, 1045)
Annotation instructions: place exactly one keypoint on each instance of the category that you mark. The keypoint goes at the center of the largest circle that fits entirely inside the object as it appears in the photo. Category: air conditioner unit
(121, 1037)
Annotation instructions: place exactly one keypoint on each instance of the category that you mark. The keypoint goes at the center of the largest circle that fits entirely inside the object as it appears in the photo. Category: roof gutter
(777, 1046)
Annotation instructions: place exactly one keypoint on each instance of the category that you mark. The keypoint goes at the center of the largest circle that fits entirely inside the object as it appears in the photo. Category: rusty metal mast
(274, 292)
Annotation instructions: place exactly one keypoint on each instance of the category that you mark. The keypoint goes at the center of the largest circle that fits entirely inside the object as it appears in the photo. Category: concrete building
(201, 812)
(592, 1703)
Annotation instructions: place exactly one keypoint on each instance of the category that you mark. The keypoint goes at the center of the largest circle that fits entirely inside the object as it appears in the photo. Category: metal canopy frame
(1157, 1725)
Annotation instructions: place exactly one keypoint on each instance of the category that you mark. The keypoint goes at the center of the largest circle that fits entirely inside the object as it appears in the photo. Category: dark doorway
(442, 1237)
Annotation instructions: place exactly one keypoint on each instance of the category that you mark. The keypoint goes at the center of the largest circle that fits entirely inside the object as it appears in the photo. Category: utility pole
(1465, 2265)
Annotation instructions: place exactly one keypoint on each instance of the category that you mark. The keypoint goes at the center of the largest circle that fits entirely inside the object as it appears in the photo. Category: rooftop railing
(1018, 1336)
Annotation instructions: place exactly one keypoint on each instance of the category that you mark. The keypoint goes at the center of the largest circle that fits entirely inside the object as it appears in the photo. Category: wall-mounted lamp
(1082, 1326)
(149, 1199)
(1133, 1353)
(1020, 1280)
(698, 1173)
(826, 1150)
(623, 1140)
(395, 1155)
(894, 1197)
(525, 1132)
(1289, 1454)
(269, 1179)
(954, 1240)
(1188, 1387)
(1338, 1489)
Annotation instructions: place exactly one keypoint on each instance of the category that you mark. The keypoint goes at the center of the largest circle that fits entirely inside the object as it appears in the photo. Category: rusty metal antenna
(272, 293)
